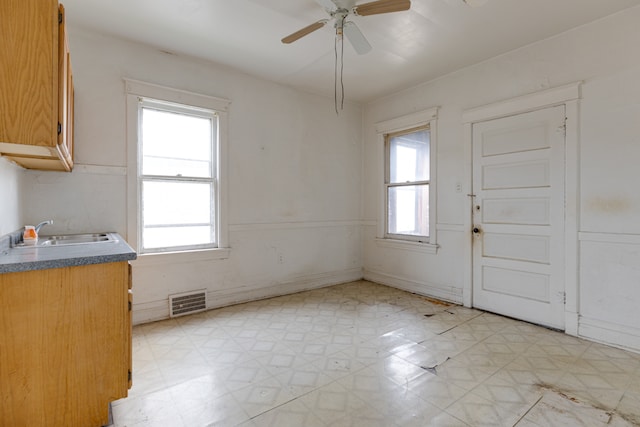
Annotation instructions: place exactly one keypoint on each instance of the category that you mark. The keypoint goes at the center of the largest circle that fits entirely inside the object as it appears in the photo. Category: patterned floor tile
(514, 397)
(462, 375)
(303, 379)
(379, 391)
(398, 370)
(221, 412)
(443, 419)
(291, 414)
(262, 397)
(361, 354)
(150, 409)
(177, 372)
(436, 390)
(560, 410)
(240, 375)
(366, 353)
(333, 402)
(364, 417)
(468, 332)
(225, 356)
(477, 411)
(338, 365)
(148, 378)
(595, 389)
(447, 345)
(422, 356)
(391, 342)
(629, 407)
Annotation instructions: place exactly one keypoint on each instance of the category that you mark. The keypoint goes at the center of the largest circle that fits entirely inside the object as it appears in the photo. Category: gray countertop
(41, 257)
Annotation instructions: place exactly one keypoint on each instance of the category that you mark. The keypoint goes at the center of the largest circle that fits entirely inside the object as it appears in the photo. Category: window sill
(427, 248)
(203, 255)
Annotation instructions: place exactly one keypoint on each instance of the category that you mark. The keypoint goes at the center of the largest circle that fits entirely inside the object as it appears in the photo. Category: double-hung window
(407, 211)
(177, 169)
(407, 183)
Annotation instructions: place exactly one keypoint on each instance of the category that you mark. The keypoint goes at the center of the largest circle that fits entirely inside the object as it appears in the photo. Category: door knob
(476, 230)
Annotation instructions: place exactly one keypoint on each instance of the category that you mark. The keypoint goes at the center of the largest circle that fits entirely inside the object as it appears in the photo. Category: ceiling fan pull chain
(335, 75)
(342, 72)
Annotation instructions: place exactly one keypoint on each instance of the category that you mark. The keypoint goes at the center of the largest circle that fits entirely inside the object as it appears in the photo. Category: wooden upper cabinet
(36, 85)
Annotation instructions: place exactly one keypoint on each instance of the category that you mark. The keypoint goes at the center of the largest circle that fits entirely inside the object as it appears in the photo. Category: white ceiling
(433, 38)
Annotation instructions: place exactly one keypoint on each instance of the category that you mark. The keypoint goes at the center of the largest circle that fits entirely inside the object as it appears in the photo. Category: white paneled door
(518, 216)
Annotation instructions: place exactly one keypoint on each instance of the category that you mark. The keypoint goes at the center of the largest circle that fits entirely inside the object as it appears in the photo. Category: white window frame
(426, 118)
(138, 92)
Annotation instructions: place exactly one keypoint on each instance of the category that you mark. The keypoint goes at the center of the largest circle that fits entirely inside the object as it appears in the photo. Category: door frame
(569, 96)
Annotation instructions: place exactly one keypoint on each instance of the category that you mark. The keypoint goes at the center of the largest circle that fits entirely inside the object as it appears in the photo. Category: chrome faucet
(42, 224)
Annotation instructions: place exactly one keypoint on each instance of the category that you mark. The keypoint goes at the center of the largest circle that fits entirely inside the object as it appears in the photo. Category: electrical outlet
(458, 187)
(280, 258)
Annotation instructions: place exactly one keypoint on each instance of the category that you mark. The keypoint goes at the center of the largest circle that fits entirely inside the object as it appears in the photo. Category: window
(176, 141)
(176, 176)
(407, 183)
(407, 211)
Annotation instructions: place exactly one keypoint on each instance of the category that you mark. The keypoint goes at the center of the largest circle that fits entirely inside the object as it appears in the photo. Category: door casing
(569, 96)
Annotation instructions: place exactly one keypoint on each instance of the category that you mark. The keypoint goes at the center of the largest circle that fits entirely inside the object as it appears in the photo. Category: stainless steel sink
(76, 239)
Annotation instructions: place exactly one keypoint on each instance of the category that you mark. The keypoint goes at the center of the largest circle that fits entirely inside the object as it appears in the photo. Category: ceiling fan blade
(475, 3)
(356, 38)
(328, 5)
(382, 6)
(345, 4)
(305, 31)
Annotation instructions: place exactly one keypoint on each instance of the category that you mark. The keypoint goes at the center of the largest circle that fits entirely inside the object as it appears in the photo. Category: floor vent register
(187, 303)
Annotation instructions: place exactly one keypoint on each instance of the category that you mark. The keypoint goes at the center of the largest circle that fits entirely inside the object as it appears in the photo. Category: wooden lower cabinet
(65, 345)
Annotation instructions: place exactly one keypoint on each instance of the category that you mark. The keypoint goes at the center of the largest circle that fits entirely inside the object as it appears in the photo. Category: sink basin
(76, 239)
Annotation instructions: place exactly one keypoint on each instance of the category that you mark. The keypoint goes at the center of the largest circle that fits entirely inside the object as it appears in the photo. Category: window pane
(176, 144)
(409, 157)
(409, 210)
(164, 237)
(165, 203)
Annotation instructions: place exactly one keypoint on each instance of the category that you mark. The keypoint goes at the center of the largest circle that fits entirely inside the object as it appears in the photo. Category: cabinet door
(65, 95)
(130, 329)
(36, 124)
(64, 338)
(29, 74)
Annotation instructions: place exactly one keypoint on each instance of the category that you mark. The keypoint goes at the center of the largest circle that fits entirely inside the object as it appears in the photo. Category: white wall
(301, 181)
(603, 56)
(10, 200)
(294, 178)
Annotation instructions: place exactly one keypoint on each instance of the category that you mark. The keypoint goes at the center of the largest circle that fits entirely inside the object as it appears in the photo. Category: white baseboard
(149, 311)
(608, 333)
(159, 310)
(445, 293)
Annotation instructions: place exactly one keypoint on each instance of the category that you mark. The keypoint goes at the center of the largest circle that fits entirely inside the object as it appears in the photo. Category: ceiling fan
(339, 10)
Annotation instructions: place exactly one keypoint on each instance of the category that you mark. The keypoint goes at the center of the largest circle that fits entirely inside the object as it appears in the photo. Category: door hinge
(129, 375)
(563, 127)
(563, 297)
(129, 305)
(59, 128)
(60, 18)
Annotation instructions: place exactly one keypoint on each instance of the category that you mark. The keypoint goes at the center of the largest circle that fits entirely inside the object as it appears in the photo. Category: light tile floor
(362, 354)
